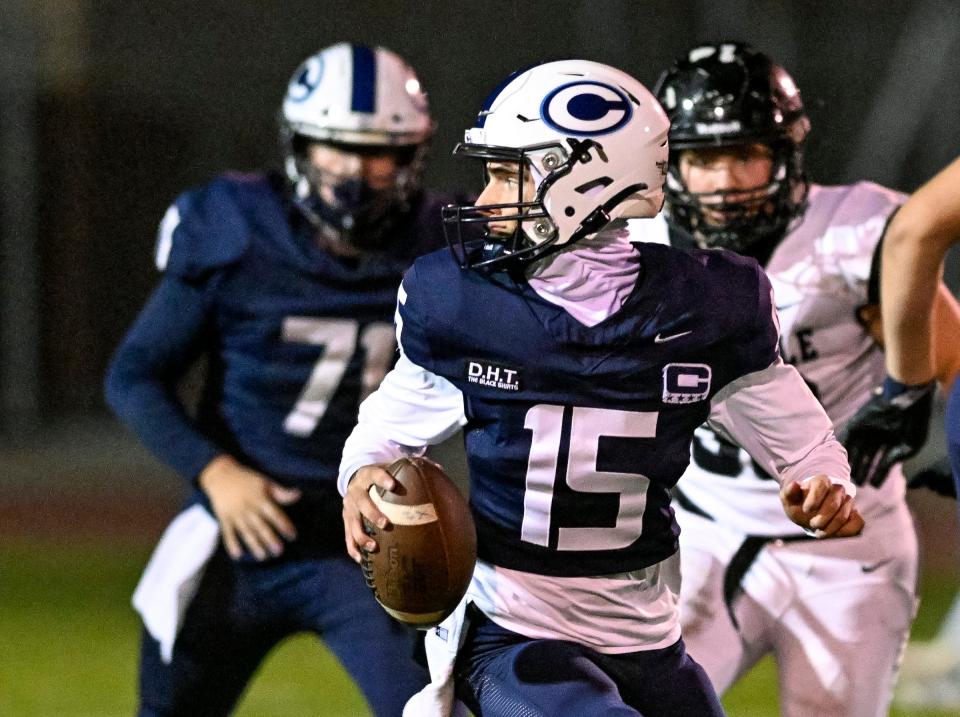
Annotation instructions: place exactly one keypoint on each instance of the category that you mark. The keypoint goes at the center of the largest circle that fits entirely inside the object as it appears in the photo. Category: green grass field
(69, 641)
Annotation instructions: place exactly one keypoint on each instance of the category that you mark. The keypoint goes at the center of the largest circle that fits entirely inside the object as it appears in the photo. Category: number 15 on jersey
(587, 427)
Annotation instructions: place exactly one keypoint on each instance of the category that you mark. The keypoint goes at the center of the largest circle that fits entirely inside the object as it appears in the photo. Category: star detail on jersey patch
(686, 382)
(493, 375)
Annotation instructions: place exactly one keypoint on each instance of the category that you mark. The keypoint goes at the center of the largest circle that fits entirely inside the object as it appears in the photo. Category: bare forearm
(914, 247)
(909, 281)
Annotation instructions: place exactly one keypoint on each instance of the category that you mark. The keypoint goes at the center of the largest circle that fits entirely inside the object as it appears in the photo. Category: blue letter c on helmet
(305, 79)
(586, 108)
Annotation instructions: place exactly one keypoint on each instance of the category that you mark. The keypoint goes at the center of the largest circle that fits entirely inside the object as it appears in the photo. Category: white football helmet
(595, 142)
(359, 99)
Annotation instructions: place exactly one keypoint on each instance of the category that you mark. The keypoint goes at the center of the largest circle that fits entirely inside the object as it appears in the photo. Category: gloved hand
(887, 429)
(937, 478)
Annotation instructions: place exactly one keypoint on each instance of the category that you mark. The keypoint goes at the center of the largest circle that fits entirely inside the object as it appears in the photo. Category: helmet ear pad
(345, 207)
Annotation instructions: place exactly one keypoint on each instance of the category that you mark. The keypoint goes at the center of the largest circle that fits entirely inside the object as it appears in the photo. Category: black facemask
(358, 215)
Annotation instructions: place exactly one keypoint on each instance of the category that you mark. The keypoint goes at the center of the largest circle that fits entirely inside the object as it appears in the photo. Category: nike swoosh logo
(658, 339)
(871, 567)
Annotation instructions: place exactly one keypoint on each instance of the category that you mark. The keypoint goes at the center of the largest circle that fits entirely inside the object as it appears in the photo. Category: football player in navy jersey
(579, 364)
(287, 284)
(835, 615)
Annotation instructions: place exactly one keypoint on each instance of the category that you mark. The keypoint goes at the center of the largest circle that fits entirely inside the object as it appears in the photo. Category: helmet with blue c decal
(593, 139)
(365, 101)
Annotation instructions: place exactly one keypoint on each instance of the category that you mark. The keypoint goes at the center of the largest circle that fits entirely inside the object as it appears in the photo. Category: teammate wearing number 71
(287, 285)
(579, 365)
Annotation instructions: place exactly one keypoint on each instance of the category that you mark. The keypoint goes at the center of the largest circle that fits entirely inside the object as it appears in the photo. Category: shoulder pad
(848, 218)
(846, 226)
(430, 300)
(729, 279)
(741, 293)
(736, 267)
(431, 281)
(205, 228)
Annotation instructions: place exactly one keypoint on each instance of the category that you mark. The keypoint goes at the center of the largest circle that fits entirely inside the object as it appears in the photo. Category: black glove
(937, 478)
(887, 429)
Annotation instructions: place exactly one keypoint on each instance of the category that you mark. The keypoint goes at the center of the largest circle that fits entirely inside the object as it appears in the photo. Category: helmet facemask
(533, 233)
(343, 206)
(536, 233)
(740, 218)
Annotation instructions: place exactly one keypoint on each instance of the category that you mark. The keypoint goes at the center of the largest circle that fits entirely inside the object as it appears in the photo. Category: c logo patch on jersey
(686, 382)
(307, 79)
(586, 108)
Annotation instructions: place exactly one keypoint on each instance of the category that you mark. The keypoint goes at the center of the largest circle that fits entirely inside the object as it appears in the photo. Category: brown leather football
(424, 559)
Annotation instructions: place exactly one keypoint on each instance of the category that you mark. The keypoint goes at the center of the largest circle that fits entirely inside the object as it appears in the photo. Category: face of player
(730, 181)
(503, 187)
(357, 191)
(375, 168)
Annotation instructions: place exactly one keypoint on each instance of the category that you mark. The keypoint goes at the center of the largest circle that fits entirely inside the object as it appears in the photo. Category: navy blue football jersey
(576, 434)
(294, 336)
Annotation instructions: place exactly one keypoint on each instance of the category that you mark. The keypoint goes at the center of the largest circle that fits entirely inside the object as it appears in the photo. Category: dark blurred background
(108, 109)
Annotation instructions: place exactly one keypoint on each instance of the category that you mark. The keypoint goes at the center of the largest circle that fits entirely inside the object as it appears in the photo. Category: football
(425, 557)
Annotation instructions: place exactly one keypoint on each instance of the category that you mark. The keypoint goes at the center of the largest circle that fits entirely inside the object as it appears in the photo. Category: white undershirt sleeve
(413, 408)
(774, 416)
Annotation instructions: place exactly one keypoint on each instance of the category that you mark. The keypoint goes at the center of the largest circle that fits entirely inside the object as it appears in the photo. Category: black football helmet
(725, 95)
